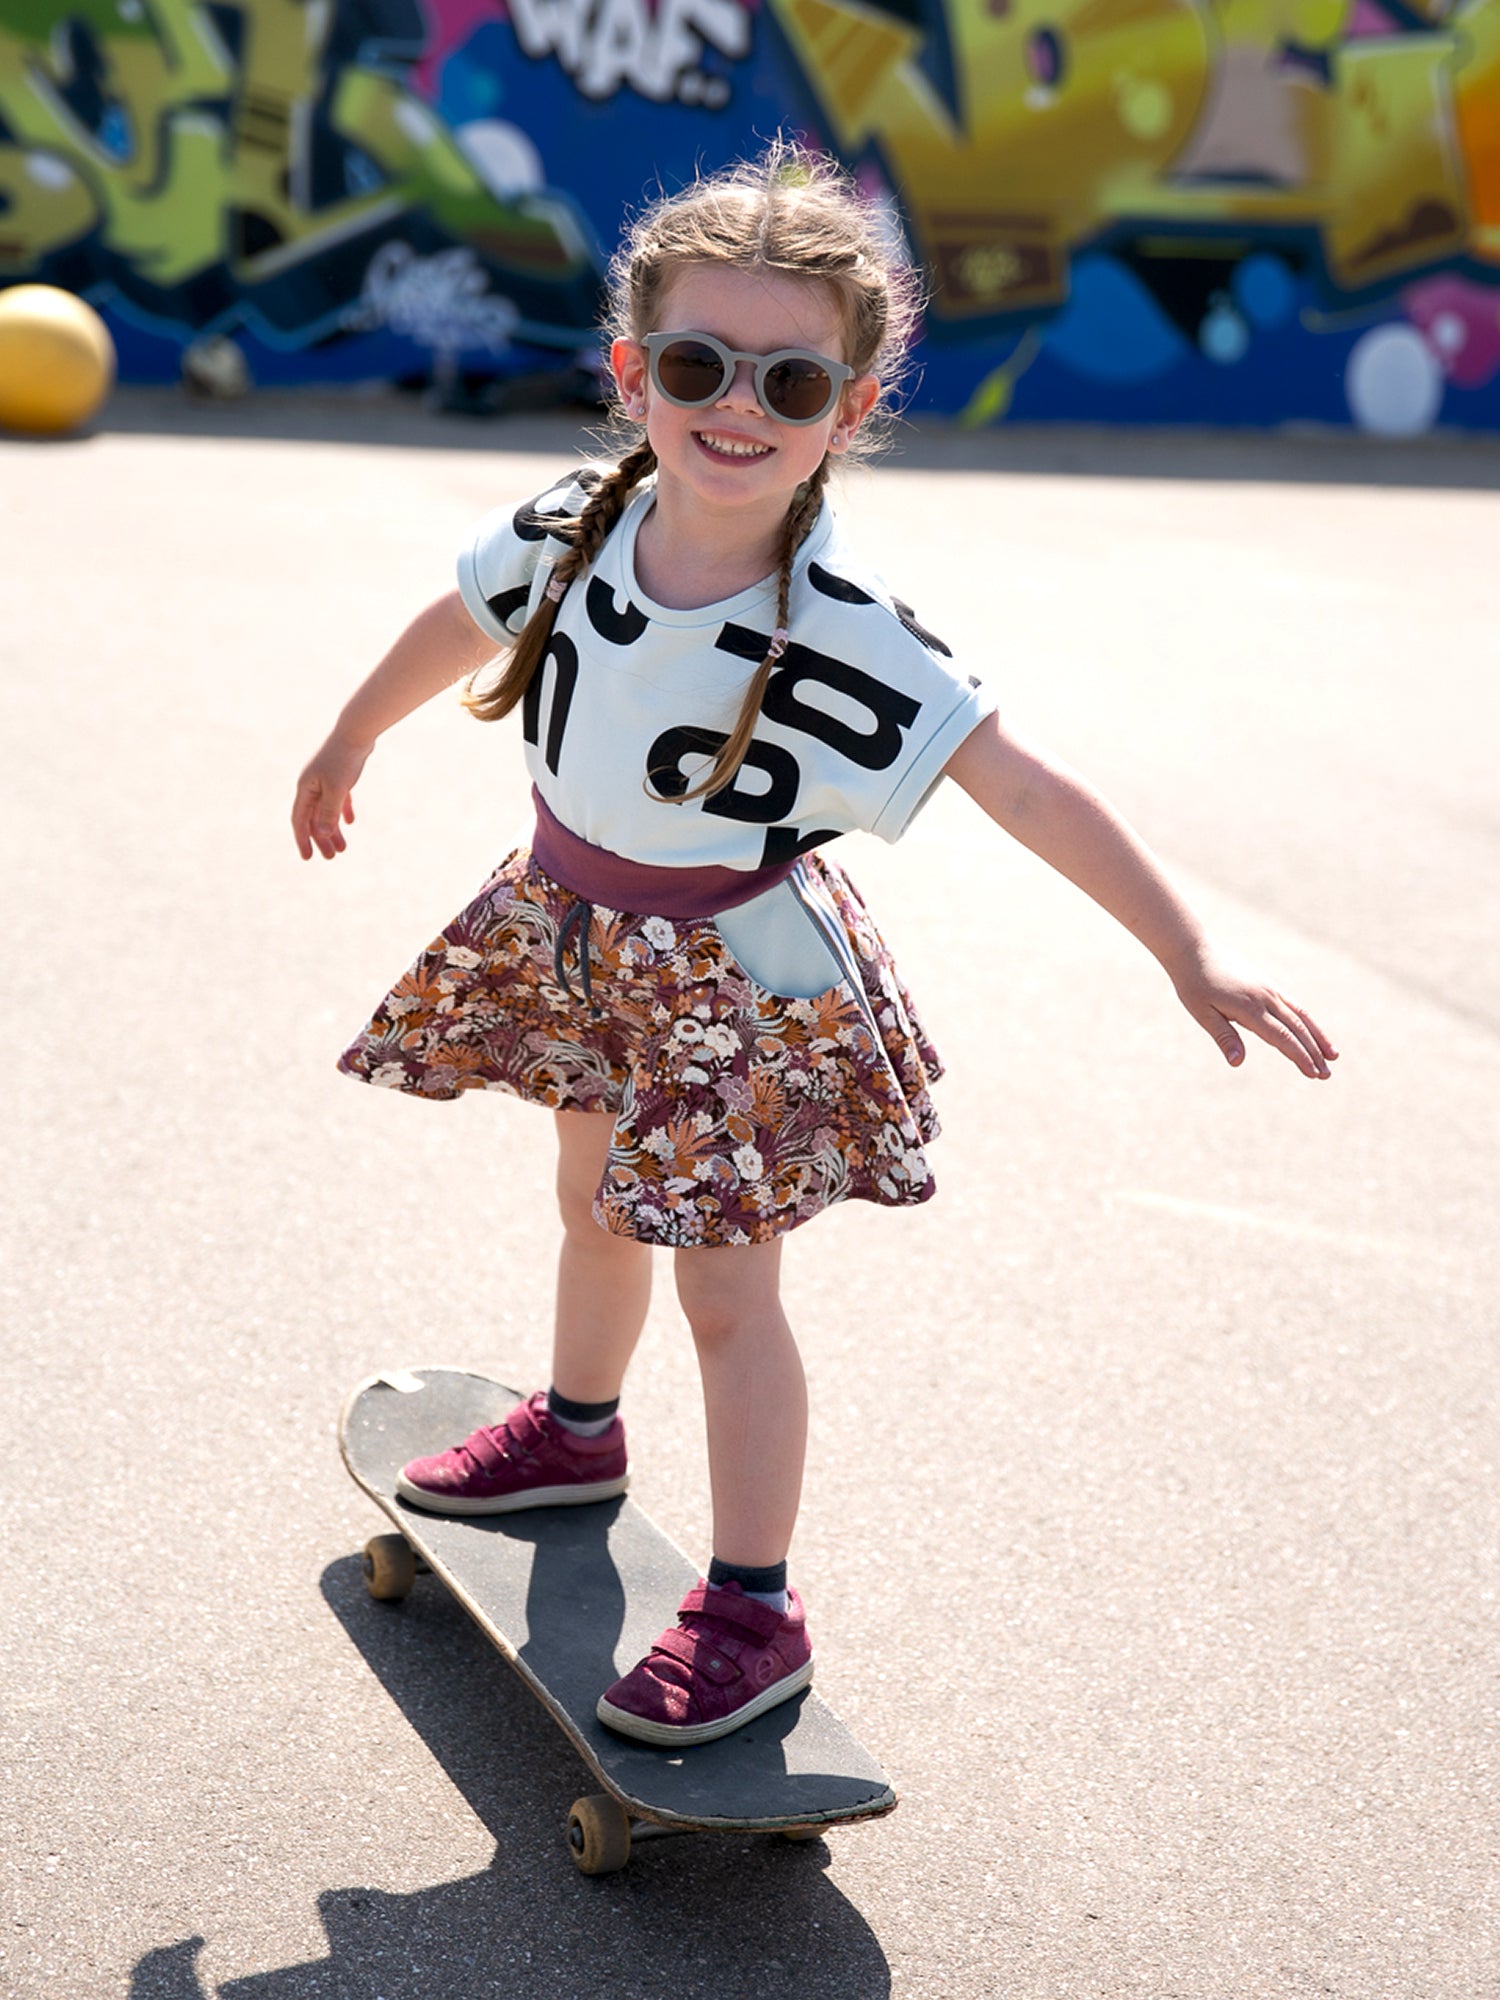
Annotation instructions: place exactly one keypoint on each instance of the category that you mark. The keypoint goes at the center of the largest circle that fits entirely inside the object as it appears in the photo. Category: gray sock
(767, 1586)
(585, 1420)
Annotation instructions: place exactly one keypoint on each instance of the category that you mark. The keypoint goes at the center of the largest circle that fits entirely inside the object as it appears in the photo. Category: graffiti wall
(1229, 211)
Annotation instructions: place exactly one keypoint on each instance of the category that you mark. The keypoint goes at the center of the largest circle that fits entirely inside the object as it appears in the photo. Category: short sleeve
(950, 721)
(504, 564)
(882, 698)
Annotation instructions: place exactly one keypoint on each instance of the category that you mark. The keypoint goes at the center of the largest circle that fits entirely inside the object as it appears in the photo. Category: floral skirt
(738, 1112)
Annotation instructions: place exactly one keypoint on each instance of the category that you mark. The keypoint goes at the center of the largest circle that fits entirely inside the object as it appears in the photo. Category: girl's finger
(302, 822)
(1308, 1034)
(1325, 1046)
(1223, 1031)
(1293, 1042)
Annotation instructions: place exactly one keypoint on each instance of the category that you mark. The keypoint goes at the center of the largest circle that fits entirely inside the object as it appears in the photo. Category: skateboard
(572, 1597)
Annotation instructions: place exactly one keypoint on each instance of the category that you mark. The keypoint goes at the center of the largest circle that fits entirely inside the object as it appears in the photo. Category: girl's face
(733, 457)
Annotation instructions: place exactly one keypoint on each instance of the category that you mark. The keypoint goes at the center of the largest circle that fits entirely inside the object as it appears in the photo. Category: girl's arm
(1049, 809)
(440, 646)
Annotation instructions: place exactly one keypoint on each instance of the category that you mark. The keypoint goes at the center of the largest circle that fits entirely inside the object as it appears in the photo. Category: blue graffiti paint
(472, 82)
(1111, 329)
(115, 133)
(1264, 290)
(1224, 336)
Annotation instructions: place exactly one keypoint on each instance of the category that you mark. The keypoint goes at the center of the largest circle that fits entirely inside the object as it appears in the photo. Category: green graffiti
(260, 177)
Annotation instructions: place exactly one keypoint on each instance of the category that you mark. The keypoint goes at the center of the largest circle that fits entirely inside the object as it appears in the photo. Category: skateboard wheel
(599, 1834)
(801, 1832)
(390, 1567)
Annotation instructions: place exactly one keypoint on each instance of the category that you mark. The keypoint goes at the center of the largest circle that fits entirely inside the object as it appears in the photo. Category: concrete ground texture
(1152, 1512)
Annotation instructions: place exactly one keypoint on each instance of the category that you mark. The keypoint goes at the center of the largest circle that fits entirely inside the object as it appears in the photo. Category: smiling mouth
(725, 447)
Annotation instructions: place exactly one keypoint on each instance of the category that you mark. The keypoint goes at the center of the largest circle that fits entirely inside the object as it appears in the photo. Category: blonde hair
(790, 211)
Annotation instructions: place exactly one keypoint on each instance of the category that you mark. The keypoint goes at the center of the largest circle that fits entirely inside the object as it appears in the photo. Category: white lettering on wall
(442, 302)
(607, 44)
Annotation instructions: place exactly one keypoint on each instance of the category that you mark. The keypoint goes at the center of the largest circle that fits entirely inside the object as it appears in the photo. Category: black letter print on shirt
(664, 773)
(621, 628)
(532, 525)
(562, 656)
(837, 587)
(506, 603)
(782, 843)
(873, 749)
(845, 592)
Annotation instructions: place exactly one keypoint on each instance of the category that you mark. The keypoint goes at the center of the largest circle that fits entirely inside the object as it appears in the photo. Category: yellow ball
(57, 361)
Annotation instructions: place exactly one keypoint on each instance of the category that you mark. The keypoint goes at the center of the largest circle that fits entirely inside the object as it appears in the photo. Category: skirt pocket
(779, 943)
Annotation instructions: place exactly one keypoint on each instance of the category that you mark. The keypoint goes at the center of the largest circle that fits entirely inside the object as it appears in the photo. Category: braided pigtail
(586, 534)
(800, 517)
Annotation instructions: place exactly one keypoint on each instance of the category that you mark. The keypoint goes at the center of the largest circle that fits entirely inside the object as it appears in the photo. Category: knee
(712, 1320)
(575, 1204)
(722, 1292)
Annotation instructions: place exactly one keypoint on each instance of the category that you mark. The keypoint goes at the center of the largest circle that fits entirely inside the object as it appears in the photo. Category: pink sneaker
(727, 1660)
(526, 1460)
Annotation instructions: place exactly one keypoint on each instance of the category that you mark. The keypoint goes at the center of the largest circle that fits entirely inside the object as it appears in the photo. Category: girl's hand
(325, 797)
(439, 647)
(1217, 996)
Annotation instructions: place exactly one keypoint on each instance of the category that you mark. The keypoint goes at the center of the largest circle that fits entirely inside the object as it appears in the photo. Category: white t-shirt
(860, 715)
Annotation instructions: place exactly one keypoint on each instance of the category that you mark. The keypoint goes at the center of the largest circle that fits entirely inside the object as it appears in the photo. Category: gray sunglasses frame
(838, 372)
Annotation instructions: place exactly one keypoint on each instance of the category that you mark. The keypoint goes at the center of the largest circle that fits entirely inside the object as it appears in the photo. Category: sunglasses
(794, 385)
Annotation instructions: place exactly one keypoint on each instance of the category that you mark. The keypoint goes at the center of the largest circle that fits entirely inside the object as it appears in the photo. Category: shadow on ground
(1448, 460)
(703, 1915)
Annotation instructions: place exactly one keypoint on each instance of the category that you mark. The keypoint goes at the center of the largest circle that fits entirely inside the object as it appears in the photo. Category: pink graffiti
(1366, 20)
(1460, 321)
(449, 25)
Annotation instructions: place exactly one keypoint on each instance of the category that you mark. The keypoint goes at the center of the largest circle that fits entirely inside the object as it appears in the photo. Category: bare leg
(603, 1281)
(754, 1394)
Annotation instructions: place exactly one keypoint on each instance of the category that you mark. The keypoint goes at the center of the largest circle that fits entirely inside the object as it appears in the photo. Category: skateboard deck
(572, 1597)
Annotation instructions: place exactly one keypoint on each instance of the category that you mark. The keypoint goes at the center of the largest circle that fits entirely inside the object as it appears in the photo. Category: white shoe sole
(510, 1503)
(703, 1732)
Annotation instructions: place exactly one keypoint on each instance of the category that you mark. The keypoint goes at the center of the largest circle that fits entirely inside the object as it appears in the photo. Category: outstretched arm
(440, 646)
(1050, 809)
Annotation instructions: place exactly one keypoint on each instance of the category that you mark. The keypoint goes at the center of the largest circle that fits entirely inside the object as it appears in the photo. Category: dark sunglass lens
(690, 371)
(798, 389)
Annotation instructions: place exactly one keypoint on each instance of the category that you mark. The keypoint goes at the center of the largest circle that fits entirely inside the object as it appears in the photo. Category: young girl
(713, 687)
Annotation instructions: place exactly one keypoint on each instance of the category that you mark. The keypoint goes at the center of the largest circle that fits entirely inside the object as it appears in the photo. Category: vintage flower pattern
(739, 1113)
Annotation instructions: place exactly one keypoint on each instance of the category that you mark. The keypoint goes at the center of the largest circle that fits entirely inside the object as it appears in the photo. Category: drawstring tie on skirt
(579, 919)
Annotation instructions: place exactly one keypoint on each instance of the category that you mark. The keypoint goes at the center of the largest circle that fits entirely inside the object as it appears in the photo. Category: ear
(859, 398)
(627, 363)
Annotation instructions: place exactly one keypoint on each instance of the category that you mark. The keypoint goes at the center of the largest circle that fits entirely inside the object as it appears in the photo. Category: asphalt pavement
(1152, 1519)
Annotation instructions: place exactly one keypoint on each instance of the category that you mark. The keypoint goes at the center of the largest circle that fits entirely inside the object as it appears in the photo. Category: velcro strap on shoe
(699, 1655)
(484, 1451)
(745, 1612)
(524, 1430)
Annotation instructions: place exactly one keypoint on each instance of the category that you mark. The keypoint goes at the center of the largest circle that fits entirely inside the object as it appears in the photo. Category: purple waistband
(601, 877)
